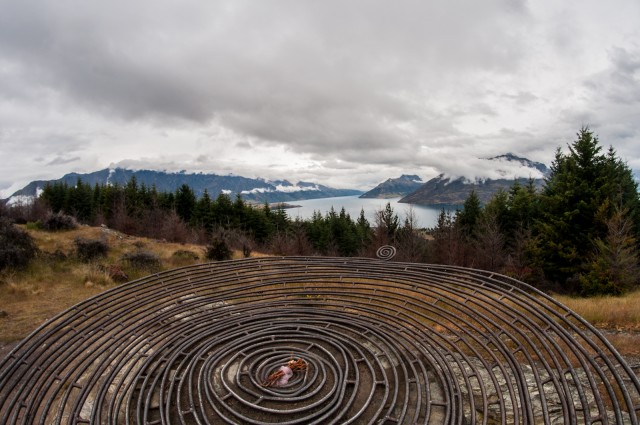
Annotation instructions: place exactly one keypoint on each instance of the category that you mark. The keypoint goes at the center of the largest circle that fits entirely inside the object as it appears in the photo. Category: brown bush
(58, 222)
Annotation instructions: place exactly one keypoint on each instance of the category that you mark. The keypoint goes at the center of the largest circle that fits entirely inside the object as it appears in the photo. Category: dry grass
(29, 303)
(619, 317)
(53, 283)
(620, 313)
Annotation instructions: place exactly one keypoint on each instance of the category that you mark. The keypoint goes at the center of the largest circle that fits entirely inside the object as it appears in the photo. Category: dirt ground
(6, 347)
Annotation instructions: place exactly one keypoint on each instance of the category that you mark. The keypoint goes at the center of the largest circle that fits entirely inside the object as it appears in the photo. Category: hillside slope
(444, 191)
(395, 188)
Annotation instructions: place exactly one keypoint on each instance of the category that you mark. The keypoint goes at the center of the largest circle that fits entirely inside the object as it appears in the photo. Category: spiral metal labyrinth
(384, 343)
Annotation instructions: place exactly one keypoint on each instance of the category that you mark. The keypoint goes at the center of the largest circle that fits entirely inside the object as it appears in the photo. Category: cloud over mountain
(339, 92)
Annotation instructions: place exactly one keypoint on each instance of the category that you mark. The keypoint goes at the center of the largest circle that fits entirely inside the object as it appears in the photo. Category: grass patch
(56, 279)
(621, 313)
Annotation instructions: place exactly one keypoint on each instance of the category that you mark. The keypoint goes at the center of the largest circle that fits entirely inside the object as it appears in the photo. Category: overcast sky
(342, 93)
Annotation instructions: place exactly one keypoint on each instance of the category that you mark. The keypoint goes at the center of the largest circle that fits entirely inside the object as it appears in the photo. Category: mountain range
(252, 190)
(442, 190)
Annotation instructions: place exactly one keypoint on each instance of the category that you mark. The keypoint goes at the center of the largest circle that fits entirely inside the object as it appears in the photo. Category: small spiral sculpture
(386, 252)
(382, 343)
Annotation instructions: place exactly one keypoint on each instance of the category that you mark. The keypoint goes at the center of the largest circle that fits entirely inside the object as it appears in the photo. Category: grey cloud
(625, 76)
(619, 82)
(523, 98)
(61, 160)
(303, 74)
(611, 103)
(368, 87)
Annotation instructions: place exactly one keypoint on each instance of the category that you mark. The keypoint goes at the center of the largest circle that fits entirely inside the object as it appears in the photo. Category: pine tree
(79, 202)
(613, 266)
(363, 229)
(468, 218)
(577, 199)
(185, 202)
(387, 223)
(202, 213)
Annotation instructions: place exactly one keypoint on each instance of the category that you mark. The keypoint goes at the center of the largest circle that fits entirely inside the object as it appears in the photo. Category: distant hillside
(395, 188)
(443, 191)
(256, 190)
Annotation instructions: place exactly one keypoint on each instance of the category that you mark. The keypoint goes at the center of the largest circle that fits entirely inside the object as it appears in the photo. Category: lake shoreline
(426, 216)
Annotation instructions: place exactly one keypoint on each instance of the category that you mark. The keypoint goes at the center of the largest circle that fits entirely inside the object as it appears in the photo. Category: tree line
(578, 234)
(182, 217)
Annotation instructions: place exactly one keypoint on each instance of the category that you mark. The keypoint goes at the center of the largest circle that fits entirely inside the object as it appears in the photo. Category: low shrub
(96, 275)
(17, 247)
(58, 222)
(33, 225)
(91, 249)
(142, 260)
(183, 257)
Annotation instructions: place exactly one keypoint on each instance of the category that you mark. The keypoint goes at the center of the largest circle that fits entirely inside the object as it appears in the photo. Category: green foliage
(337, 233)
(55, 195)
(580, 195)
(580, 233)
(185, 202)
(17, 247)
(34, 225)
(203, 213)
(469, 216)
(613, 267)
(363, 229)
(218, 250)
(137, 209)
(388, 222)
(79, 202)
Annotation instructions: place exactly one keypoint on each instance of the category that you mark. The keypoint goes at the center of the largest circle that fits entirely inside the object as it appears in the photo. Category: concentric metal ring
(384, 343)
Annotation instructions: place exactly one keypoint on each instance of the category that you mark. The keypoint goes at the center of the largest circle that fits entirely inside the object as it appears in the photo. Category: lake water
(426, 216)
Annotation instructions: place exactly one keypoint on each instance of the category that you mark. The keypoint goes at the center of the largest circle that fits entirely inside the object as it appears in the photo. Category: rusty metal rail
(385, 343)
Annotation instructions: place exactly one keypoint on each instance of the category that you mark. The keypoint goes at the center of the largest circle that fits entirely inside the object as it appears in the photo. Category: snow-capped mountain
(454, 190)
